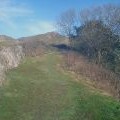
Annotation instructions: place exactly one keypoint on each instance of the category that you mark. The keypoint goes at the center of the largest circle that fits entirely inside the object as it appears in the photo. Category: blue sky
(20, 18)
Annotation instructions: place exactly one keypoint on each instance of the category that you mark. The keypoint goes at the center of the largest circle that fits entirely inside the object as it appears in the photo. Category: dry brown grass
(99, 76)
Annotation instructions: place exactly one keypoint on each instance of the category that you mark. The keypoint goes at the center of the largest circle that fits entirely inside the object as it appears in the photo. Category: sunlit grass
(38, 90)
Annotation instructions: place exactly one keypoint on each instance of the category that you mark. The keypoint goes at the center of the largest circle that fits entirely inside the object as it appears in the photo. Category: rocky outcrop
(10, 57)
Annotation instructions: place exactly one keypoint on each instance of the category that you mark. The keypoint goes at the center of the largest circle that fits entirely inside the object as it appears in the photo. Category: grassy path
(38, 90)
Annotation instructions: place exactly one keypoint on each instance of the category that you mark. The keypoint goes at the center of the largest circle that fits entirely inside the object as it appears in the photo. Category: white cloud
(9, 10)
(10, 15)
(40, 27)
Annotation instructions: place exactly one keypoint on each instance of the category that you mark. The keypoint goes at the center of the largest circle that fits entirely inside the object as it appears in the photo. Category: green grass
(39, 90)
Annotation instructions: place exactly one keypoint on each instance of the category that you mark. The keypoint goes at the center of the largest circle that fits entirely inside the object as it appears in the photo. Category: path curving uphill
(39, 90)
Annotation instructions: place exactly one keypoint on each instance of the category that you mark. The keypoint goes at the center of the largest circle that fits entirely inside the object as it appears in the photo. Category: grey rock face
(10, 57)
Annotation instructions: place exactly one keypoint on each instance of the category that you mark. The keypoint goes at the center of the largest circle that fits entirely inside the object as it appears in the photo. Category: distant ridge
(47, 38)
(35, 42)
(6, 38)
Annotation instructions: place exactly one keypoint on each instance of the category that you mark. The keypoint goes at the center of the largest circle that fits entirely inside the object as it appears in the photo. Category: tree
(111, 17)
(95, 36)
(101, 28)
(109, 14)
(66, 23)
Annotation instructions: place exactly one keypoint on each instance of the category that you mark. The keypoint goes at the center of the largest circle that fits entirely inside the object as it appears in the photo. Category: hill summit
(47, 38)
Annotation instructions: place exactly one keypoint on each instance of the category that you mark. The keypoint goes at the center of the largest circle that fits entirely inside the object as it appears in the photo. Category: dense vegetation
(95, 33)
(99, 36)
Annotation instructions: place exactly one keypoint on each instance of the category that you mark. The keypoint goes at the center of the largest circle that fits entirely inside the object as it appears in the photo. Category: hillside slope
(6, 38)
(39, 90)
(35, 45)
(47, 38)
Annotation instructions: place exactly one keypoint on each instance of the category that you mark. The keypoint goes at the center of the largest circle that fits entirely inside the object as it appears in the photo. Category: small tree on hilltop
(66, 23)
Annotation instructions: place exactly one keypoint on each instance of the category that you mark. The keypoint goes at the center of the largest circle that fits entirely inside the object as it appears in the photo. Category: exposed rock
(10, 57)
(12, 51)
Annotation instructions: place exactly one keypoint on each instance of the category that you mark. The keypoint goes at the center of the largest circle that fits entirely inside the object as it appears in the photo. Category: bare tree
(109, 14)
(100, 30)
(66, 23)
(97, 36)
